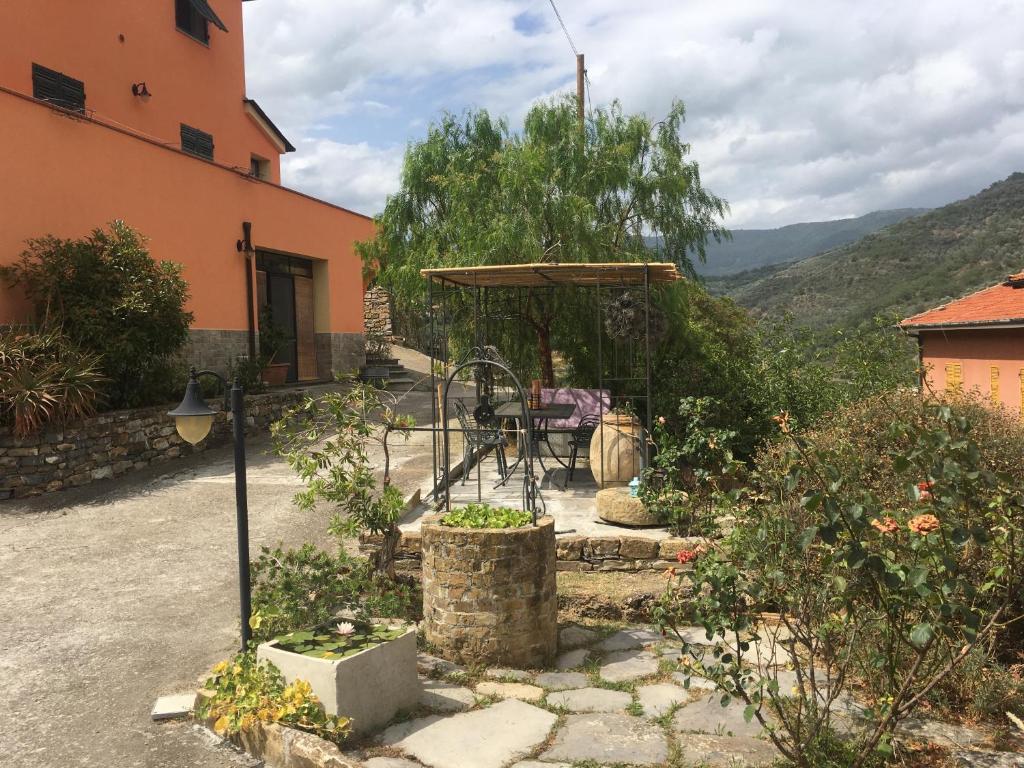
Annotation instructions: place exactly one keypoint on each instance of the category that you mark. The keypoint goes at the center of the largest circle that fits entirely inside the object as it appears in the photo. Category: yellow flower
(220, 668)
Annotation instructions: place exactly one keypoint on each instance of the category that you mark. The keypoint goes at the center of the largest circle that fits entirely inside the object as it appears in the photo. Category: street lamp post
(193, 419)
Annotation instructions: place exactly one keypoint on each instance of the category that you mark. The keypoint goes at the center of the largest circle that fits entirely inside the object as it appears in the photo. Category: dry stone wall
(115, 443)
(377, 313)
(489, 595)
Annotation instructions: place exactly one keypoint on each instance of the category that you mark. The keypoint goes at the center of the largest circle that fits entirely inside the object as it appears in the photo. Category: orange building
(120, 109)
(976, 344)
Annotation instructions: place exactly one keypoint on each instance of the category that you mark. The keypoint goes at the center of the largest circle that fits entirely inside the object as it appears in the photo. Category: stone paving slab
(539, 764)
(707, 715)
(572, 659)
(659, 698)
(432, 665)
(980, 758)
(697, 683)
(575, 637)
(590, 700)
(628, 639)
(608, 739)
(484, 738)
(498, 673)
(390, 762)
(561, 681)
(439, 696)
(519, 691)
(710, 751)
(623, 666)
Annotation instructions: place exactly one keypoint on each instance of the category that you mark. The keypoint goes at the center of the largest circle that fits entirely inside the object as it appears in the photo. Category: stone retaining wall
(489, 595)
(377, 313)
(112, 444)
(575, 553)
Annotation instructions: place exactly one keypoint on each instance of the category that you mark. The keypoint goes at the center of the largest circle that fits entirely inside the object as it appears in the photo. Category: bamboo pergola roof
(537, 275)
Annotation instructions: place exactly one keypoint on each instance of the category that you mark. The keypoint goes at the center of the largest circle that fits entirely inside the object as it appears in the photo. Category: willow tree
(476, 193)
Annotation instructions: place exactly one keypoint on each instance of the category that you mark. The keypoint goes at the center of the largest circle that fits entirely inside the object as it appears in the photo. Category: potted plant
(489, 586)
(272, 339)
(363, 670)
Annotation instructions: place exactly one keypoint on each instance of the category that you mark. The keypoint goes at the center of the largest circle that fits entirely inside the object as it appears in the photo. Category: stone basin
(616, 506)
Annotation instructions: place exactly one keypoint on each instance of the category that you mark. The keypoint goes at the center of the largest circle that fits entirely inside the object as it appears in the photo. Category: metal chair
(580, 440)
(476, 437)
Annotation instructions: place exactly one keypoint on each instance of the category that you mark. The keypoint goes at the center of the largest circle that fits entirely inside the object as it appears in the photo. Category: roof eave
(967, 325)
(256, 113)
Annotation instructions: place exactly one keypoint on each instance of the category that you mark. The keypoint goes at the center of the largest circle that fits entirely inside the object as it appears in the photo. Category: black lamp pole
(194, 418)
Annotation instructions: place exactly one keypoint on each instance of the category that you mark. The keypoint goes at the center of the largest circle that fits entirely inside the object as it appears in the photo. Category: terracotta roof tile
(1003, 303)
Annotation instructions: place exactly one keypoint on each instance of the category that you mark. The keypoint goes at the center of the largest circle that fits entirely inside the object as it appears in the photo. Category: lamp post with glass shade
(193, 419)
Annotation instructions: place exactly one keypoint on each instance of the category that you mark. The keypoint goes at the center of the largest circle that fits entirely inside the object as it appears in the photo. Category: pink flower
(685, 556)
(661, 420)
(885, 525)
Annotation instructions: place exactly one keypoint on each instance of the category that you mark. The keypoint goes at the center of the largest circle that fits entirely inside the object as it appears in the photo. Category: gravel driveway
(117, 593)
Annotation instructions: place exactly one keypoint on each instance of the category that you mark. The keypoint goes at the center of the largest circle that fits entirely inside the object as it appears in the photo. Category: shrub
(486, 516)
(325, 441)
(44, 378)
(894, 593)
(113, 300)
(307, 587)
(245, 692)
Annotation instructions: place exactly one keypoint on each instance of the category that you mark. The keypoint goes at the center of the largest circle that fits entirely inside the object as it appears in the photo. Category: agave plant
(45, 378)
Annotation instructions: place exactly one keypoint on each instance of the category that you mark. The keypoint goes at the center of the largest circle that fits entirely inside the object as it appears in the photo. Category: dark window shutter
(57, 88)
(196, 142)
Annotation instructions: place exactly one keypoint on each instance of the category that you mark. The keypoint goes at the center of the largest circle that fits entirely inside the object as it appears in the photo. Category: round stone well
(489, 594)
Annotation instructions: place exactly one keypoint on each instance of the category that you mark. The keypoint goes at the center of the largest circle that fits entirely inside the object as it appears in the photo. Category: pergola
(493, 292)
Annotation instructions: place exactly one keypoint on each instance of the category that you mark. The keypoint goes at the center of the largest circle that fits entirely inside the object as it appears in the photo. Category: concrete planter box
(370, 687)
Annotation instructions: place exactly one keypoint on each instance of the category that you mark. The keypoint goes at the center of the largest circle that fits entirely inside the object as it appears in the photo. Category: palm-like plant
(44, 378)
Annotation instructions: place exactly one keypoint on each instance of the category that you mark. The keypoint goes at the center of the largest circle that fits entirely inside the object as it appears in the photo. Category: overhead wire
(572, 45)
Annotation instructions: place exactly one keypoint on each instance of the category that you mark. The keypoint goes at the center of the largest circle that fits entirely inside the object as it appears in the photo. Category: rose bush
(873, 581)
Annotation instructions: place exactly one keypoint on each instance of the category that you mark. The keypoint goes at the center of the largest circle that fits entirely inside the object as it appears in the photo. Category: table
(514, 410)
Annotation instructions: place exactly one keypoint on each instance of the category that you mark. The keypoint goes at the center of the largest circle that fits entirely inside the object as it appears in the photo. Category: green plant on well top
(338, 641)
(486, 516)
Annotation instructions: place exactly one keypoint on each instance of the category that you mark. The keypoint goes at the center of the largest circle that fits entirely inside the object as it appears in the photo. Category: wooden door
(305, 335)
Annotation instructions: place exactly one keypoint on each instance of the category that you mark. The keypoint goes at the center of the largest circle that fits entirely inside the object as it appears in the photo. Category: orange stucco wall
(65, 176)
(111, 44)
(977, 352)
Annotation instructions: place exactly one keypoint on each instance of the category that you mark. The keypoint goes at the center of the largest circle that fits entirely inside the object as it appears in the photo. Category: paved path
(114, 594)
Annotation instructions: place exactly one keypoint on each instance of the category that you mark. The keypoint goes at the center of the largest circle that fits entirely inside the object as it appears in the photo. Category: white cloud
(798, 109)
(357, 176)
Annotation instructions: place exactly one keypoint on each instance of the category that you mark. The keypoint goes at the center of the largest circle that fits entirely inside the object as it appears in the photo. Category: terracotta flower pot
(615, 450)
(275, 374)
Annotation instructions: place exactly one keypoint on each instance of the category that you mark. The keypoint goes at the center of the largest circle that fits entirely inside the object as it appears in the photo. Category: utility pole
(581, 73)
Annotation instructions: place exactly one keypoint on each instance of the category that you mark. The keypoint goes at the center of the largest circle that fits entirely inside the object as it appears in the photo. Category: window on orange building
(259, 167)
(954, 377)
(57, 88)
(196, 142)
(189, 21)
(993, 384)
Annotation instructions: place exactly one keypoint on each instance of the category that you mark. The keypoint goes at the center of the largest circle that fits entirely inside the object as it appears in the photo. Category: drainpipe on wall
(245, 245)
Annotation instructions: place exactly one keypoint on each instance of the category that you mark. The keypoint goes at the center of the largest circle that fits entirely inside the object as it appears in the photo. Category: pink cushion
(587, 401)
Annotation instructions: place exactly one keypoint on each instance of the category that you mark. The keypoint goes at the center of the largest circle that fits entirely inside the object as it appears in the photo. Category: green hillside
(902, 269)
(754, 248)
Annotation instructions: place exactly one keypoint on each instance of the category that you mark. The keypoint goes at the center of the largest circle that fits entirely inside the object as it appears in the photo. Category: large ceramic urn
(615, 450)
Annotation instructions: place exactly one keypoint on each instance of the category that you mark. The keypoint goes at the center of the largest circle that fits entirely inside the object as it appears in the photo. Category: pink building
(976, 344)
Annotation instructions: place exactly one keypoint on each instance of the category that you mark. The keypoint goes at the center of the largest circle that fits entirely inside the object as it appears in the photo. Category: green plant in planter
(243, 692)
(486, 516)
(272, 336)
(344, 639)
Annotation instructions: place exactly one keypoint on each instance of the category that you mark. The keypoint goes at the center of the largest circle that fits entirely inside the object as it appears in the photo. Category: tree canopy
(474, 192)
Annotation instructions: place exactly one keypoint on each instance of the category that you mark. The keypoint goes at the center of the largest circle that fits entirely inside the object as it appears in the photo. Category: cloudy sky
(798, 110)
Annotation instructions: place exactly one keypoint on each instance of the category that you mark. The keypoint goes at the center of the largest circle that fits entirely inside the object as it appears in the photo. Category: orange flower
(885, 525)
(782, 419)
(924, 524)
(925, 489)
(670, 573)
(685, 556)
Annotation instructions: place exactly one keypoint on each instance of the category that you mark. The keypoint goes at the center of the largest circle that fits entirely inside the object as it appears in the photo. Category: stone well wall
(573, 553)
(112, 444)
(489, 596)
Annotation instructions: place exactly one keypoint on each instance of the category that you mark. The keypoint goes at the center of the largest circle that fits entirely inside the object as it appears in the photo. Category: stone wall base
(573, 553)
(339, 353)
(215, 350)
